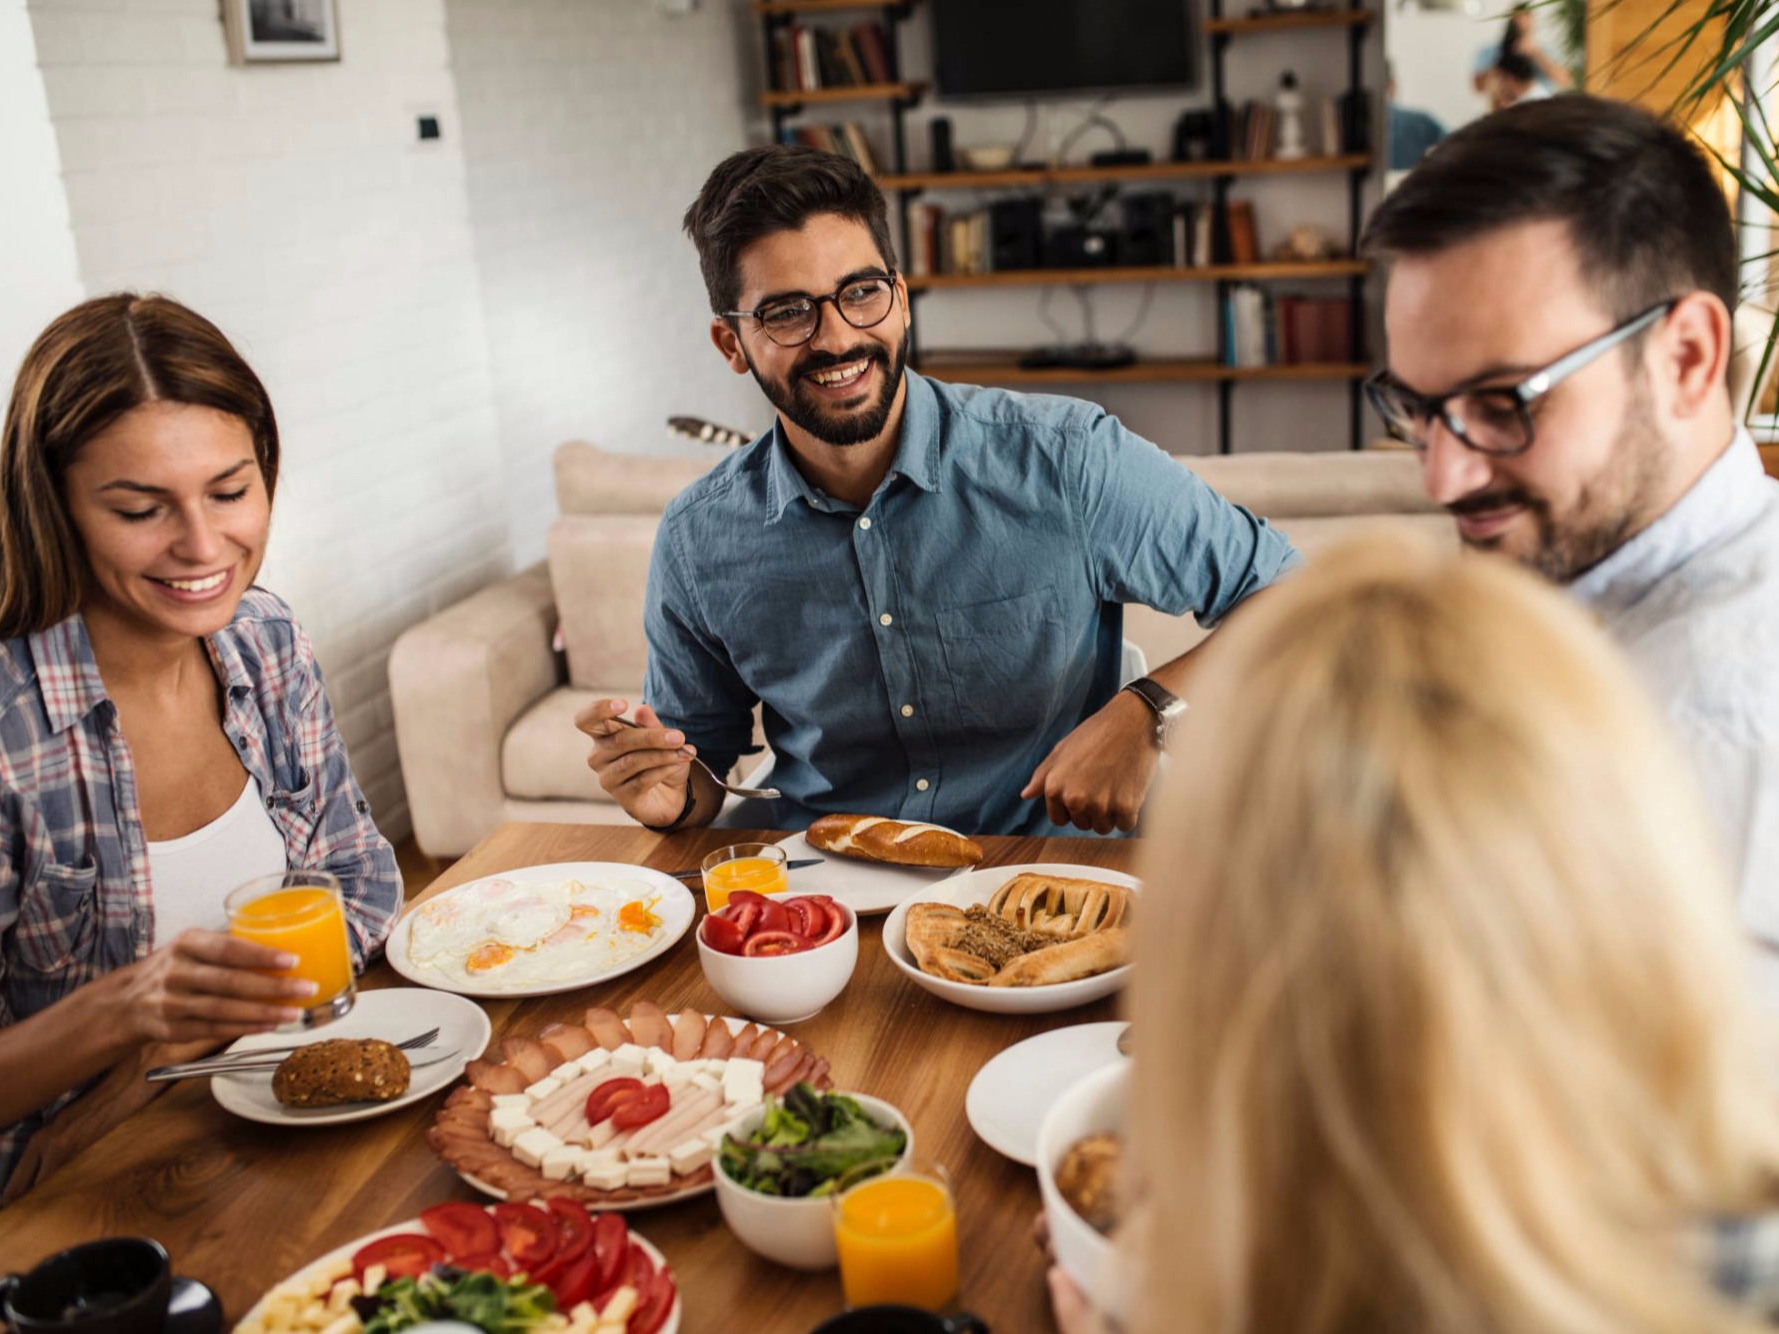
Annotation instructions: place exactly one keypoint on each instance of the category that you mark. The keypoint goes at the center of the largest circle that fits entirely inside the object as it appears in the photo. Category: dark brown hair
(1643, 211)
(777, 188)
(92, 365)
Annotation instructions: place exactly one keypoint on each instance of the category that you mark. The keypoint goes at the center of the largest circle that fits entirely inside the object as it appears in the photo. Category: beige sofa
(485, 706)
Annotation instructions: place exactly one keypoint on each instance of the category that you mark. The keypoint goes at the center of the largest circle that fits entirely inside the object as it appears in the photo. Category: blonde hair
(1439, 1015)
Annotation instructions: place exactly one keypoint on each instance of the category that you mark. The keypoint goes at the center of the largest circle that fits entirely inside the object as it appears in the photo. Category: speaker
(1192, 136)
(1015, 236)
(940, 129)
(1148, 236)
(1077, 247)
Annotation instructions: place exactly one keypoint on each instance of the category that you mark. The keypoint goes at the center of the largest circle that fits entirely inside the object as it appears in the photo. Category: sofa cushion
(1282, 485)
(599, 568)
(592, 481)
(543, 757)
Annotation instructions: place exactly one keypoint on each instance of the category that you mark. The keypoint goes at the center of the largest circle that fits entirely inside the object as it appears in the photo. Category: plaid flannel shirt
(75, 898)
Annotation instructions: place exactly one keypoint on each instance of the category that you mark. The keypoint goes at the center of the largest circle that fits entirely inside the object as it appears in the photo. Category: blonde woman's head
(1438, 1000)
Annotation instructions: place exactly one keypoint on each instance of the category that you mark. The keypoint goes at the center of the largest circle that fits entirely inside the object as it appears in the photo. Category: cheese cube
(657, 1061)
(618, 1310)
(705, 1080)
(511, 1100)
(530, 1147)
(715, 1137)
(543, 1088)
(566, 1071)
(603, 1170)
(688, 1156)
(561, 1163)
(648, 1172)
(595, 1060)
(506, 1124)
(628, 1061)
(678, 1076)
(743, 1086)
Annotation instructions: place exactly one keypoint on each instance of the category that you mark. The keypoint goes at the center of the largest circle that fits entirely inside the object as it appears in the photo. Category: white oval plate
(979, 886)
(319, 1266)
(393, 1014)
(867, 888)
(676, 910)
(1012, 1092)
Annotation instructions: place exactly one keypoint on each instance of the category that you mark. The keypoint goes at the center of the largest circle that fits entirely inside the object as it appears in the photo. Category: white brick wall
(39, 278)
(588, 127)
(295, 207)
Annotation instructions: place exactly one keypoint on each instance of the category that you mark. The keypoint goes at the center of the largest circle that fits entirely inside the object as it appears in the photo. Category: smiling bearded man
(1562, 276)
(921, 583)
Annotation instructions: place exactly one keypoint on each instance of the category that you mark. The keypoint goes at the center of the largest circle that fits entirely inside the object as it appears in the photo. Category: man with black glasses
(922, 583)
(1562, 276)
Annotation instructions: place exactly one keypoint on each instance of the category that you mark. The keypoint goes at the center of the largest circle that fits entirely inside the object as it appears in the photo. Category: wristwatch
(1167, 707)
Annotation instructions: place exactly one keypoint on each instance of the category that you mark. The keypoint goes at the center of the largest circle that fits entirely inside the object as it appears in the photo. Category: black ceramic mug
(899, 1320)
(117, 1286)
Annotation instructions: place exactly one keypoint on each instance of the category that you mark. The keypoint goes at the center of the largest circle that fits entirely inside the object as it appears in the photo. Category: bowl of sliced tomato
(777, 959)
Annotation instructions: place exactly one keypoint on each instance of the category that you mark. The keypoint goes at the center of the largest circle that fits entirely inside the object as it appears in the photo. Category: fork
(235, 1060)
(763, 793)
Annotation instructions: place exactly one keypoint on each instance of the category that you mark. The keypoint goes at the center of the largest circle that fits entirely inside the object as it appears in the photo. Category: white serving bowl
(979, 887)
(798, 1233)
(1093, 1104)
(783, 988)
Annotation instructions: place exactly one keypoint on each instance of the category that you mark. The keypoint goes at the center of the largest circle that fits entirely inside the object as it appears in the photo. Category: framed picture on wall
(268, 30)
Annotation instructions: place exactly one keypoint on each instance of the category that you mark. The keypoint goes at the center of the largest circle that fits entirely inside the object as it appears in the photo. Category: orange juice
(301, 914)
(897, 1238)
(759, 867)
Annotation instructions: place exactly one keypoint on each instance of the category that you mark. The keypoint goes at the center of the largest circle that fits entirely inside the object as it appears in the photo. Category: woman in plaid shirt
(164, 731)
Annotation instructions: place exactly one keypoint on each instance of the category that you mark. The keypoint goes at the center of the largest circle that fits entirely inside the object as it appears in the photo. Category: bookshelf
(784, 104)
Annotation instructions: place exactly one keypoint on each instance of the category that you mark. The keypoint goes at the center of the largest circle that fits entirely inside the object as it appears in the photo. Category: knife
(204, 1069)
(796, 864)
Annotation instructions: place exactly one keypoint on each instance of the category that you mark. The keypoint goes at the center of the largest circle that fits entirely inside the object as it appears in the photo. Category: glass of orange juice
(301, 913)
(759, 867)
(897, 1239)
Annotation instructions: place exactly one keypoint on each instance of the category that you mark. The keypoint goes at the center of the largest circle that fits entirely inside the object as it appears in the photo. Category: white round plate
(317, 1267)
(1012, 1092)
(978, 886)
(676, 910)
(393, 1014)
(867, 888)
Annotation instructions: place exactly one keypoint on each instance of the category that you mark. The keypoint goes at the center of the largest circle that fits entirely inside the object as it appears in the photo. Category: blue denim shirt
(918, 658)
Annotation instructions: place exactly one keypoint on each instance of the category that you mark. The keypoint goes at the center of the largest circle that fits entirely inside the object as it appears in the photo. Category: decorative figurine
(1291, 141)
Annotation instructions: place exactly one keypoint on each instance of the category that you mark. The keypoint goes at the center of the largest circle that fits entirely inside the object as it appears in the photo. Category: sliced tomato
(808, 918)
(653, 1304)
(766, 943)
(605, 1097)
(404, 1255)
(577, 1283)
(723, 935)
(745, 915)
(611, 1244)
(743, 897)
(463, 1229)
(639, 1269)
(527, 1233)
(649, 1105)
(836, 924)
(574, 1228)
(773, 917)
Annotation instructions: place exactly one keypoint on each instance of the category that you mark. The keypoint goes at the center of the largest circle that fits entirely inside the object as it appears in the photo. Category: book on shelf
(809, 68)
(871, 41)
(1264, 329)
(1247, 327)
(1258, 122)
(1244, 239)
(1192, 235)
(846, 139)
(806, 59)
(1333, 142)
(924, 222)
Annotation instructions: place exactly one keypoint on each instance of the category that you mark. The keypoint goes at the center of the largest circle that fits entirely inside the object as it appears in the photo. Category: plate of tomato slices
(760, 926)
(579, 1256)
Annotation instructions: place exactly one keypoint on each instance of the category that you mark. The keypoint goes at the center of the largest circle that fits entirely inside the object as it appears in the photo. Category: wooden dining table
(241, 1205)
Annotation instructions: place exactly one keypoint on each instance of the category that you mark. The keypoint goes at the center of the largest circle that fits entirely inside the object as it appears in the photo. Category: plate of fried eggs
(540, 930)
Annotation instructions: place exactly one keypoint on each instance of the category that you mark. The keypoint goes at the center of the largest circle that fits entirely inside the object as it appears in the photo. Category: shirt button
(865, 524)
(240, 743)
(922, 785)
(886, 619)
(907, 710)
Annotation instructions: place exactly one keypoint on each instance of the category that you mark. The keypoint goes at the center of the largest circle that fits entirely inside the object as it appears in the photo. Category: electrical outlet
(428, 127)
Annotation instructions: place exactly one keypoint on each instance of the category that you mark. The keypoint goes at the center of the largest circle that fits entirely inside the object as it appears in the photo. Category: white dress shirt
(1694, 601)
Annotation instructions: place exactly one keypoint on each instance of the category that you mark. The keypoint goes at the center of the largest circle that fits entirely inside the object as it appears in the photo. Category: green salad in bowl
(811, 1144)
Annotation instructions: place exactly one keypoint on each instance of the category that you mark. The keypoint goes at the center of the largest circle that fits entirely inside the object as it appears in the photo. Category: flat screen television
(1024, 48)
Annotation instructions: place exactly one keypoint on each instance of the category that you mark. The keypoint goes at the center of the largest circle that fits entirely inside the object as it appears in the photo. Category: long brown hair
(92, 365)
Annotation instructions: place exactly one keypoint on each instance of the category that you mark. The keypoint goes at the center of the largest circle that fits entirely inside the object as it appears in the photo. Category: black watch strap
(1163, 703)
(684, 811)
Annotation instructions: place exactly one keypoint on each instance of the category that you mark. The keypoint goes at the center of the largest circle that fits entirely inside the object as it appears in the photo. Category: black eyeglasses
(1497, 420)
(863, 302)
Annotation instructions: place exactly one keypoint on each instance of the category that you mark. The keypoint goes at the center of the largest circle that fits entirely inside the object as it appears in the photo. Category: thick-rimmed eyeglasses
(1497, 420)
(863, 302)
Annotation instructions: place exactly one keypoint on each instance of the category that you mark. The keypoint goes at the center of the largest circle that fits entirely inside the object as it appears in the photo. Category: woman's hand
(1068, 1304)
(207, 986)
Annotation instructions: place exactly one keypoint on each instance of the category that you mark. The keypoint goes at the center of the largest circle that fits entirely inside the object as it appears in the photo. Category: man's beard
(1611, 507)
(797, 406)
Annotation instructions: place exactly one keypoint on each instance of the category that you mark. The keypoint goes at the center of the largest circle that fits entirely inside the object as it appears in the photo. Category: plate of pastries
(1018, 939)
(873, 863)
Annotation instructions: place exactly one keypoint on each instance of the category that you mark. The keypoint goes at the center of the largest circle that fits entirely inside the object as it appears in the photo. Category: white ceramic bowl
(1091, 1105)
(783, 988)
(798, 1233)
(989, 157)
(979, 887)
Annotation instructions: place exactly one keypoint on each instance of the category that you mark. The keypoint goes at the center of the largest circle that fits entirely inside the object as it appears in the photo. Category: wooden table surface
(241, 1205)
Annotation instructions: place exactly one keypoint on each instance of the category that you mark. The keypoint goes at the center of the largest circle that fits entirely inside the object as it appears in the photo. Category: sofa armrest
(457, 682)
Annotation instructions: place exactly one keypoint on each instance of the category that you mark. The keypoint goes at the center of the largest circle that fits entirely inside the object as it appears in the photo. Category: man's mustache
(817, 362)
(1488, 502)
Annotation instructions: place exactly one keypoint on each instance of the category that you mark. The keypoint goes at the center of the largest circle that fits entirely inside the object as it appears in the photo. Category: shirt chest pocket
(58, 919)
(1005, 661)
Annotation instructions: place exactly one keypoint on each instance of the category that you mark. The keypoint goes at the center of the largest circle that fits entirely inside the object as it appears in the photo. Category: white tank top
(191, 876)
